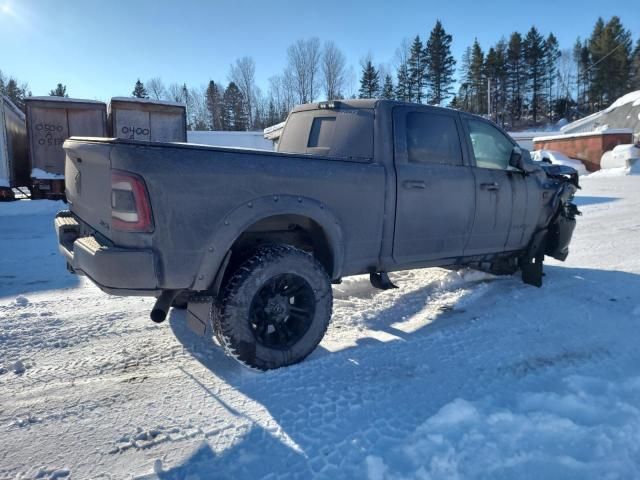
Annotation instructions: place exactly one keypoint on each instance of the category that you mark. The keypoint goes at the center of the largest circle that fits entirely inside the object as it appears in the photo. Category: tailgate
(88, 182)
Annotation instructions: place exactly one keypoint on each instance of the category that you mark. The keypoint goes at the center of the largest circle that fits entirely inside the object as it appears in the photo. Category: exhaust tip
(158, 315)
(163, 303)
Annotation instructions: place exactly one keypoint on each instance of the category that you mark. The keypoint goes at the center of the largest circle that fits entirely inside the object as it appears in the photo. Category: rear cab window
(427, 136)
(433, 139)
(340, 133)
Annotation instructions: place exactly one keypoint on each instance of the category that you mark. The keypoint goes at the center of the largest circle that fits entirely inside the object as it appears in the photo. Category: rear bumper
(120, 271)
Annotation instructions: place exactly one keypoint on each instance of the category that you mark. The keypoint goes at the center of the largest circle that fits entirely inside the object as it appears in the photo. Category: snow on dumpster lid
(147, 101)
(62, 100)
(610, 131)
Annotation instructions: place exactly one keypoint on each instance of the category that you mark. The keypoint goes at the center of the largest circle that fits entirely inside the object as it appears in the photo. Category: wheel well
(297, 230)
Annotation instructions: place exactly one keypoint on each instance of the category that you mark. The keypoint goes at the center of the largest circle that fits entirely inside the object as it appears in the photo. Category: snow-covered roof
(147, 101)
(583, 124)
(631, 97)
(609, 131)
(624, 112)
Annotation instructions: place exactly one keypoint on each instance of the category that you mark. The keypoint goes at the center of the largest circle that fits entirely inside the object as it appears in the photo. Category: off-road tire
(232, 310)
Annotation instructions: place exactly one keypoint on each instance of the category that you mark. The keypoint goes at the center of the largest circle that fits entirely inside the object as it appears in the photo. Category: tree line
(523, 80)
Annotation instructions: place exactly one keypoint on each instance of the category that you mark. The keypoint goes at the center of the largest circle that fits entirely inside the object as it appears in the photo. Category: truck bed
(202, 198)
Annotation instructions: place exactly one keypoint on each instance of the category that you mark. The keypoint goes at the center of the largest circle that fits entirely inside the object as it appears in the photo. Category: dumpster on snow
(50, 121)
(148, 120)
(14, 163)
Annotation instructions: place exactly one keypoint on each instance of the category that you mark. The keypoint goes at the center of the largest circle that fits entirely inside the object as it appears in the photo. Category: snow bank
(634, 169)
(621, 156)
(31, 207)
(586, 430)
(42, 175)
(559, 158)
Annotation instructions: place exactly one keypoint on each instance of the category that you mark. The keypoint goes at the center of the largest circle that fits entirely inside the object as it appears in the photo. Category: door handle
(415, 184)
(492, 186)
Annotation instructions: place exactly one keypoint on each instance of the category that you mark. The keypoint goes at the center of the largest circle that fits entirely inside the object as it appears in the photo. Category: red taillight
(130, 208)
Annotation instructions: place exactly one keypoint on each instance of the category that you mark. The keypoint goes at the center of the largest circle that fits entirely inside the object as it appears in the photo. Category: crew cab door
(501, 190)
(435, 191)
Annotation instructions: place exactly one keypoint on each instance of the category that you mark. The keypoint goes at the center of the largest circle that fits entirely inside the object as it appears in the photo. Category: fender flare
(236, 222)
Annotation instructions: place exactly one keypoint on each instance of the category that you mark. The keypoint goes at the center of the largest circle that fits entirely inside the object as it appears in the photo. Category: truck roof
(364, 103)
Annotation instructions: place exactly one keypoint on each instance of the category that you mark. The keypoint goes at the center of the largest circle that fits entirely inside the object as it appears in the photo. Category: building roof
(623, 113)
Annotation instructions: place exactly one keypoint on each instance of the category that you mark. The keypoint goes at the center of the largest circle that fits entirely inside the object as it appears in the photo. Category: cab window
(433, 139)
(491, 147)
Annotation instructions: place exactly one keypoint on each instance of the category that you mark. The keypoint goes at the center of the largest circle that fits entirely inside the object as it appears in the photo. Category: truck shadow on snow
(335, 407)
(583, 201)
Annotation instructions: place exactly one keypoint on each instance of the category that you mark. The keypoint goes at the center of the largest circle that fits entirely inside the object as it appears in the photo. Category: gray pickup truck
(250, 241)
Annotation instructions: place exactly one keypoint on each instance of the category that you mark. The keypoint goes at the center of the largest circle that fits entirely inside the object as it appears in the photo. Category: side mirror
(516, 158)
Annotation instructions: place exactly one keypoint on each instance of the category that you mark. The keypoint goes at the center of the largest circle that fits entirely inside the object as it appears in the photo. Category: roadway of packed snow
(454, 375)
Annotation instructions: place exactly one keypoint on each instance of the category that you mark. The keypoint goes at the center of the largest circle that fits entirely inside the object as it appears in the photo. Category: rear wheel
(275, 308)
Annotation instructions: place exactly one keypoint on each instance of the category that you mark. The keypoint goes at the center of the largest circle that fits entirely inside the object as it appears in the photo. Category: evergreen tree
(581, 59)
(439, 65)
(515, 71)
(403, 90)
(369, 82)
(185, 97)
(214, 105)
(610, 51)
(635, 68)
(463, 100)
(387, 88)
(477, 80)
(417, 70)
(496, 72)
(552, 54)
(59, 91)
(272, 114)
(139, 91)
(234, 109)
(534, 56)
(15, 93)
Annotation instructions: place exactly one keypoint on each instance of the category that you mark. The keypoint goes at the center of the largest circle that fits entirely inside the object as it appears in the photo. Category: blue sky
(99, 48)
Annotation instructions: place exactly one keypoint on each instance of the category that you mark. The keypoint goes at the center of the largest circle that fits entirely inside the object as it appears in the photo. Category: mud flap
(199, 314)
(531, 263)
(532, 273)
(381, 280)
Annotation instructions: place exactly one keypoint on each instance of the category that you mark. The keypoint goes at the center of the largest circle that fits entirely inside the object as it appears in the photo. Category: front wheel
(275, 308)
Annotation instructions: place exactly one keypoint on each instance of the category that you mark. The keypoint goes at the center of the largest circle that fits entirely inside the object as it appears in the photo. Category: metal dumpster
(148, 120)
(14, 163)
(50, 121)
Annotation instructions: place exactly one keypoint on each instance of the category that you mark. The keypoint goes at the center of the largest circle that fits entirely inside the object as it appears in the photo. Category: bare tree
(282, 94)
(197, 106)
(175, 93)
(333, 71)
(243, 74)
(566, 74)
(156, 89)
(302, 69)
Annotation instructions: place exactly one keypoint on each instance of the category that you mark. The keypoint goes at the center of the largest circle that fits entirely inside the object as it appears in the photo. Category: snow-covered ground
(453, 375)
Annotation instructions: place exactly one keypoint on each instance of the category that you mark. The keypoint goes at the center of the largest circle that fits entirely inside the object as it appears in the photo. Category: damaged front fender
(563, 222)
